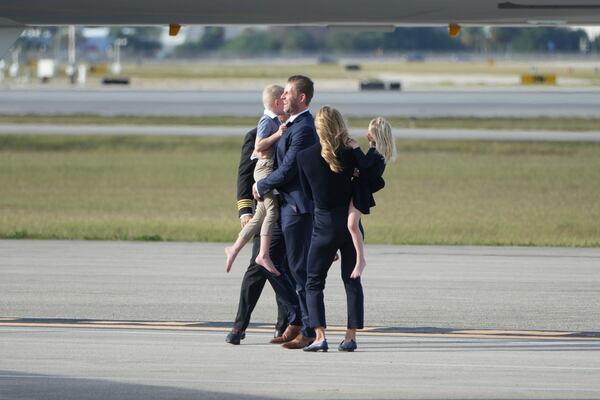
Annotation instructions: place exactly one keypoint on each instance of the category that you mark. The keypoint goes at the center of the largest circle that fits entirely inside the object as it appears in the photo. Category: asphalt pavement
(508, 102)
(139, 320)
(99, 364)
(405, 286)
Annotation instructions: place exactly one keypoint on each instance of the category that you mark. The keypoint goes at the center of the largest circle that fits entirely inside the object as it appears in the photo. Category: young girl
(382, 149)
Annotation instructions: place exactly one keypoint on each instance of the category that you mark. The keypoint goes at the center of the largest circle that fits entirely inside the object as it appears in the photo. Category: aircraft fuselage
(310, 12)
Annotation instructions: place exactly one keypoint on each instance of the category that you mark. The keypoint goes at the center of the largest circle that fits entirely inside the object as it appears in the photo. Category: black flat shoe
(320, 346)
(235, 338)
(347, 346)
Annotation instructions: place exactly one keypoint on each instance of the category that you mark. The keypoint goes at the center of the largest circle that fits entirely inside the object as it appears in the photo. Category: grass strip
(550, 124)
(183, 189)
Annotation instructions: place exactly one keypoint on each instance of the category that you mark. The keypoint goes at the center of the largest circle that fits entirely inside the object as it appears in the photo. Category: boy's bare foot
(358, 269)
(231, 254)
(266, 263)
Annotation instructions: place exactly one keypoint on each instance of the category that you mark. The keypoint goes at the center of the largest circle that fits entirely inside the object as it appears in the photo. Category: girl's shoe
(347, 346)
(320, 346)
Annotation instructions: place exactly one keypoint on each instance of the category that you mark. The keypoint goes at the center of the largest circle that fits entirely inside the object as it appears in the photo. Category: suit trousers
(331, 233)
(253, 283)
(294, 240)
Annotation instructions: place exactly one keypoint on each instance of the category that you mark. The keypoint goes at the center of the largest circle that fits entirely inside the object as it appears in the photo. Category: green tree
(537, 39)
(296, 39)
(213, 38)
(417, 39)
(596, 44)
(253, 42)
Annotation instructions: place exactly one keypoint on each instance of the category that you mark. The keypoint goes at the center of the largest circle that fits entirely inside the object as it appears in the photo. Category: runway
(139, 320)
(416, 103)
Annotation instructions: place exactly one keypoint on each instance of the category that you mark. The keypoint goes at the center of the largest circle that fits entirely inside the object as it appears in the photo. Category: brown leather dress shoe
(289, 334)
(299, 342)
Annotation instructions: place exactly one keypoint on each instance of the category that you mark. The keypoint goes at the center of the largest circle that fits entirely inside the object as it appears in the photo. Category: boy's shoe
(347, 346)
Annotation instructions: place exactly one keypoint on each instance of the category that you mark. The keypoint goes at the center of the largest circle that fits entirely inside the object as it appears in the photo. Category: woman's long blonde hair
(381, 131)
(333, 135)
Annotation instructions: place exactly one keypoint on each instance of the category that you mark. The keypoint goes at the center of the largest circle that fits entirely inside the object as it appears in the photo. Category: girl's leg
(357, 239)
(264, 259)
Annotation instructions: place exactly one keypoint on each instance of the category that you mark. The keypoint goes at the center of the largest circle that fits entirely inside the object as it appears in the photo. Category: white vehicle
(45, 69)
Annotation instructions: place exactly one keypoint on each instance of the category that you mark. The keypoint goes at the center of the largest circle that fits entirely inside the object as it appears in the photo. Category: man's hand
(255, 193)
(245, 219)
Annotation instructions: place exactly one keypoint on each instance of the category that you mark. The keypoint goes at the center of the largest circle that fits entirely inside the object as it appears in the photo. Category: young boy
(269, 130)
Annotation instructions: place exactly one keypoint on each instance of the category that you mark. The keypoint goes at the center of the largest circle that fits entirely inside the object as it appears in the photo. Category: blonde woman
(325, 170)
(382, 150)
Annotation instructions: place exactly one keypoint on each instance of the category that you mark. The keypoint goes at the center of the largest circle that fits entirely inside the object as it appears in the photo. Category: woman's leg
(353, 287)
(350, 335)
(320, 331)
(317, 266)
(357, 239)
(319, 258)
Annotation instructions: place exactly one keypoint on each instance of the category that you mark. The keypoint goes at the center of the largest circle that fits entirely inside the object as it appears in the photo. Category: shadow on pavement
(15, 385)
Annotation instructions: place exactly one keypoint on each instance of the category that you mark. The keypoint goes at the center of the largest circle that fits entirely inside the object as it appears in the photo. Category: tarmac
(139, 320)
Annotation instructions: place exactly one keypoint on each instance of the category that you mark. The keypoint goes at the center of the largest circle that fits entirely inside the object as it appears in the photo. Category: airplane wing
(319, 12)
(19, 13)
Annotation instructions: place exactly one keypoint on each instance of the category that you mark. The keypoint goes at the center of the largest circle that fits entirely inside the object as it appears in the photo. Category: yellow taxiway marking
(368, 331)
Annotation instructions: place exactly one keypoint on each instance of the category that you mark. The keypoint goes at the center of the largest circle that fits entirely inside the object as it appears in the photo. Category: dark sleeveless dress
(369, 181)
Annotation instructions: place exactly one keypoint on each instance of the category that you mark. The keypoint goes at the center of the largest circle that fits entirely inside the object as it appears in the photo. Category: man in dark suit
(254, 279)
(296, 209)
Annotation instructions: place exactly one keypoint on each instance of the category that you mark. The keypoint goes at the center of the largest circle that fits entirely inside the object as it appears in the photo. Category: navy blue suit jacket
(300, 135)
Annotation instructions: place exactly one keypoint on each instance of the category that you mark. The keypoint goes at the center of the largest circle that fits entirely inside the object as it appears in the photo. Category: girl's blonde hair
(381, 131)
(333, 135)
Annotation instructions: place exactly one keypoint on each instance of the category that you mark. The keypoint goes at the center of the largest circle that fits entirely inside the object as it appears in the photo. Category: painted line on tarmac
(205, 326)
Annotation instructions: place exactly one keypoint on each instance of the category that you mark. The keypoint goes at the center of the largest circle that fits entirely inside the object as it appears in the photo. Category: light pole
(70, 70)
(116, 67)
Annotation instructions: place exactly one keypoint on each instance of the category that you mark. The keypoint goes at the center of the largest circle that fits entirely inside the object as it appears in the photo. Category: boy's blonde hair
(271, 93)
(381, 131)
